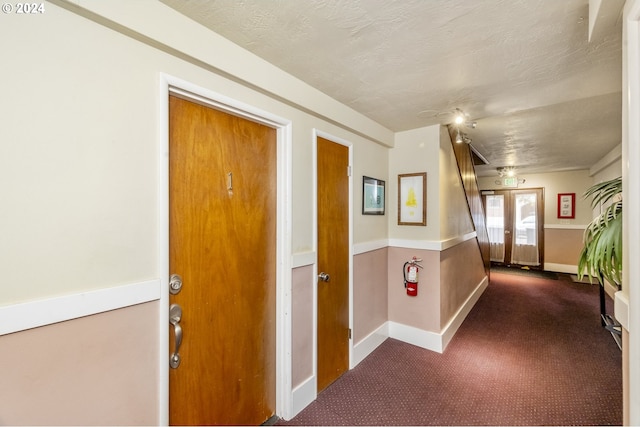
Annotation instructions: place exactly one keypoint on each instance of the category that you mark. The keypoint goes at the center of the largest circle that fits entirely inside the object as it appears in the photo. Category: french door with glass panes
(515, 223)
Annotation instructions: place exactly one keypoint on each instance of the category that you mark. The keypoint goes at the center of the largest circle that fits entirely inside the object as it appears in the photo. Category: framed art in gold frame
(412, 199)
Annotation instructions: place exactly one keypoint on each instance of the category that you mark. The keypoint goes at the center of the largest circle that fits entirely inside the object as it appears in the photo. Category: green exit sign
(510, 181)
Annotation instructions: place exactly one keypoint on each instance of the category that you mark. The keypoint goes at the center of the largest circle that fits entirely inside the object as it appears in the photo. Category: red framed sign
(566, 205)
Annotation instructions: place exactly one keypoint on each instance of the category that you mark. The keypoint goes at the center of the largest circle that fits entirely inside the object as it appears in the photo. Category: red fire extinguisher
(410, 273)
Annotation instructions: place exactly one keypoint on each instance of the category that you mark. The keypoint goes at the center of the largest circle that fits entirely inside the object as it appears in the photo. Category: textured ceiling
(543, 96)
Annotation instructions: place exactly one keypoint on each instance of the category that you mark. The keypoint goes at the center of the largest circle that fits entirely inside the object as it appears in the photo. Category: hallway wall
(95, 370)
(81, 133)
(461, 271)
(453, 274)
(370, 297)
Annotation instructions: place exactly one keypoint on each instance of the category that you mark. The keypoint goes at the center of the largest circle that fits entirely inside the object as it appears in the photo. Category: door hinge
(349, 333)
(349, 170)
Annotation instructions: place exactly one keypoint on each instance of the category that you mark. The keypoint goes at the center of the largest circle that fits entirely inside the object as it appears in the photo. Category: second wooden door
(333, 261)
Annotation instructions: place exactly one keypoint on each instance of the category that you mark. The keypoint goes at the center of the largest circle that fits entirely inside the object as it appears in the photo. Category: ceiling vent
(478, 159)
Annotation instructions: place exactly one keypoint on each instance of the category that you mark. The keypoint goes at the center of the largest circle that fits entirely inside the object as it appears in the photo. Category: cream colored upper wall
(415, 151)
(455, 219)
(610, 167)
(77, 157)
(372, 161)
(610, 172)
(151, 19)
(553, 183)
(80, 143)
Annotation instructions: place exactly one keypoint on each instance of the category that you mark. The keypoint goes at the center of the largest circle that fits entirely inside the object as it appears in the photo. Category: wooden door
(333, 259)
(222, 239)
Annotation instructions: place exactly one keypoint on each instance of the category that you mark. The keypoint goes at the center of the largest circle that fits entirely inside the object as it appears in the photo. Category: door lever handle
(175, 315)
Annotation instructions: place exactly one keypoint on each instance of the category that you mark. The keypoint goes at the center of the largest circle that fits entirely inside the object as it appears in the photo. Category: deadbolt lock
(175, 284)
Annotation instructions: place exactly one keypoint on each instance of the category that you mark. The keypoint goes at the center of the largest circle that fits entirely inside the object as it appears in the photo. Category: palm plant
(601, 256)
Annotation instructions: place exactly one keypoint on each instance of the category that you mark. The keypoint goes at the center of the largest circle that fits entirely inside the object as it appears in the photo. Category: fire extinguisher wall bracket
(404, 272)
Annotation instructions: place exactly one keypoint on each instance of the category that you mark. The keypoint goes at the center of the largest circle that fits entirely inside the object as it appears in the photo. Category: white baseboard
(561, 268)
(452, 327)
(366, 346)
(419, 337)
(306, 392)
(610, 289)
(437, 341)
(303, 395)
(621, 309)
(573, 269)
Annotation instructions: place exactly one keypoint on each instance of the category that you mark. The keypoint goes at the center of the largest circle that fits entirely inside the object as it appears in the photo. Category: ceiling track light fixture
(462, 137)
(460, 118)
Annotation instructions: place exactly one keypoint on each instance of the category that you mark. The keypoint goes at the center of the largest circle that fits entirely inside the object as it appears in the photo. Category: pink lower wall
(461, 271)
(95, 370)
(370, 292)
(448, 279)
(423, 310)
(562, 246)
(302, 324)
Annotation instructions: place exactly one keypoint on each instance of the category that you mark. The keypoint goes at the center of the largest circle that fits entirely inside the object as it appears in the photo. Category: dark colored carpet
(531, 352)
(525, 272)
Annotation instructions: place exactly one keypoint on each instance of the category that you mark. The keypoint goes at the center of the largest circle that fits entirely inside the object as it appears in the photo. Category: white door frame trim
(630, 313)
(170, 84)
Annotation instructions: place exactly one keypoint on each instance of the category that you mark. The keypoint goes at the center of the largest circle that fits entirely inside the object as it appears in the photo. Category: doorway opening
(515, 223)
(170, 85)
